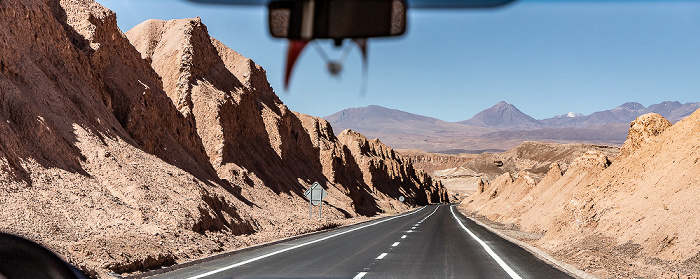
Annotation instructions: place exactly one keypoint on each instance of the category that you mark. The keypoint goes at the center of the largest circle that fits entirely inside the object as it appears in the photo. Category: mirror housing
(336, 19)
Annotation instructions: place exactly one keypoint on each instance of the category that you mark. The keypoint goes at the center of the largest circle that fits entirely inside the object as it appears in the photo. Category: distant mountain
(623, 114)
(674, 111)
(503, 116)
(372, 120)
(569, 115)
(665, 108)
(683, 111)
(499, 127)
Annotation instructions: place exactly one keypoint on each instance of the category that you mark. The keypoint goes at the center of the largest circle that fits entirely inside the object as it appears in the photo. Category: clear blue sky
(545, 57)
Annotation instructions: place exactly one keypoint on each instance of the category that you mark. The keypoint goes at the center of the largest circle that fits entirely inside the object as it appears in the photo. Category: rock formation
(642, 130)
(123, 154)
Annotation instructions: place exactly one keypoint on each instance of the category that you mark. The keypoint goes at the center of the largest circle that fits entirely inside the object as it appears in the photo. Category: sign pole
(310, 208)
(319, 210)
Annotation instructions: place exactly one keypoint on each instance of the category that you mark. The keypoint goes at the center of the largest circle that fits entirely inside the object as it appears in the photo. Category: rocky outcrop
(481, 185)
(385, 167)
(642, 130)
(126, 153)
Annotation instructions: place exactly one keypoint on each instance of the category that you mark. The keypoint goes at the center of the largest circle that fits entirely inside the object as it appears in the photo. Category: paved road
(433, 242)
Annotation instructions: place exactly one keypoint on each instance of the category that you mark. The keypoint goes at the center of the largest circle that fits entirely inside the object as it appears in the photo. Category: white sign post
(315, 194)
(401, 199)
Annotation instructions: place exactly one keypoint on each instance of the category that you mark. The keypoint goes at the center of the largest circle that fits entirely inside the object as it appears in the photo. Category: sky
(545, 57)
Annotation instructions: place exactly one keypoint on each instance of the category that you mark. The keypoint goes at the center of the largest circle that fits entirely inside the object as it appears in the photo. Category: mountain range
(499, 127)
(625, 113)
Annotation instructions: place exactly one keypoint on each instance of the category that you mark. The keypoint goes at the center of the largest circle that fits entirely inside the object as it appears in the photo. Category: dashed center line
(360, 275)
(302, 245)
(382, 255)
(431, 214)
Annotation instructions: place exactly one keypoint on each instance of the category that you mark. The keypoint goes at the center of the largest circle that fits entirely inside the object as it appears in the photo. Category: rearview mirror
(336, 19)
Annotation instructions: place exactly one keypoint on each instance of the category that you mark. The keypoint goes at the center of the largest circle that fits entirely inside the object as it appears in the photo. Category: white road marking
(360, 275)
(297, 246)
(409, 231)
(431, 214)
(488, 249)
(381, 256)
(403, 236)
(413, 228)
(395, 244)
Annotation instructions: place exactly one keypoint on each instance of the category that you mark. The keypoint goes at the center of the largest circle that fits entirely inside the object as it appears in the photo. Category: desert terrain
(127, 152)
(461, 174)
(124, 152)
(630, 215)
(613, 212)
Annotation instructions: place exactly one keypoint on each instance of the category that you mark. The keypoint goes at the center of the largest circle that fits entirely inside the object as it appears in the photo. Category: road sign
(401, 198)
(315, 193)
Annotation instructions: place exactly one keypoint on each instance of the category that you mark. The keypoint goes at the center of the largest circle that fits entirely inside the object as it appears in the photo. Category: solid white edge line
(360, 275)
(487, 248)
(381, 256)
(297, 246)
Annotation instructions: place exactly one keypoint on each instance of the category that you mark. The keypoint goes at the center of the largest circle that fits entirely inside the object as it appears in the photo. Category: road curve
(432, 242)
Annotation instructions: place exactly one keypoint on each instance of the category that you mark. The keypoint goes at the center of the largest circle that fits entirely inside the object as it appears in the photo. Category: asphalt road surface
(432, 242)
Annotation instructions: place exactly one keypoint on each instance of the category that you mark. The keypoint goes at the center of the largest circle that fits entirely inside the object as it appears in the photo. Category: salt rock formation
(123, 158)
(642, 130)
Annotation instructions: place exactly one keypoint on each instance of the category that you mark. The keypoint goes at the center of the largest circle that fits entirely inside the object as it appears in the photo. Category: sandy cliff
(626, 216)
(128, 153)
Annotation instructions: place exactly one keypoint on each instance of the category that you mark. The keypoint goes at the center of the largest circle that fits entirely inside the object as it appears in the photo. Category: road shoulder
(539, 253)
